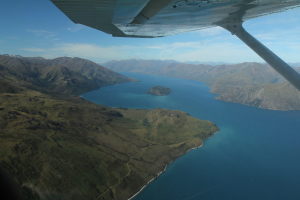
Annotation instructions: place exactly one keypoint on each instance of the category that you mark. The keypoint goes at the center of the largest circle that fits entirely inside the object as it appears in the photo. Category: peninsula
(56, 145)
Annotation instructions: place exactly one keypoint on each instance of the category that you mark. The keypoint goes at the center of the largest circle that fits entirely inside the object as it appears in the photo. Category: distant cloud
(280, 35)
(174, 45)
(214, 31)
(33, 49)
(180, 51)
(76, 28)
(12, 37)
(44, 34)
(89, 51)
(207, 52)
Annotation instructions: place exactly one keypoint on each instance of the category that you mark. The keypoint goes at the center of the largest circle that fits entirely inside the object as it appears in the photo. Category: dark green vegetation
(252, 84)
(68, 148)
(159, 91)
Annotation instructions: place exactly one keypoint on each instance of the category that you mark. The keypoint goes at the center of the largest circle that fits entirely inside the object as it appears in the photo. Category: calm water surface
(255, 155)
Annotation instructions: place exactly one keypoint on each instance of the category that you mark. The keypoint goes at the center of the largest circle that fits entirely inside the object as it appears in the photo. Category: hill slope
(252, 84)
(57, 76)
(65, 148)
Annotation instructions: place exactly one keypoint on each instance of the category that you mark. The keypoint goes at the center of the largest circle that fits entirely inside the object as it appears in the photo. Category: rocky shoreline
(161, 172)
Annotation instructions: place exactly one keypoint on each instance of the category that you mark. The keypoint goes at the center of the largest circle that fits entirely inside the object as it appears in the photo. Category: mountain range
(64, 75)
(250, 83)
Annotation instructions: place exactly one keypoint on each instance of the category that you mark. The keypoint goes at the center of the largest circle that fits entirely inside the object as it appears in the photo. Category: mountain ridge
(66, 75)
(249, 83)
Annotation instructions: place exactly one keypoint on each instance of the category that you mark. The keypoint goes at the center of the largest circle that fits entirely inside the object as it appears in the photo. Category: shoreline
(144, 186)
(162, 171)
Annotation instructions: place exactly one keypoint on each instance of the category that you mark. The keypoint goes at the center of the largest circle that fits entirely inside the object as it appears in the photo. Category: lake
(255, 155)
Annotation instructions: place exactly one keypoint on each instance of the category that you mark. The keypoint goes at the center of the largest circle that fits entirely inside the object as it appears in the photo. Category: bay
(255, 155)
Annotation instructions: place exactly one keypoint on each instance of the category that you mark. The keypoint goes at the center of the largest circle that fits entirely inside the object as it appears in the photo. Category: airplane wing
(156, 18)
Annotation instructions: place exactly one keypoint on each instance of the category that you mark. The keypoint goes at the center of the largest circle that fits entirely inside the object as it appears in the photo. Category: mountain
(253, 84)
(59, 146)
(61, 75)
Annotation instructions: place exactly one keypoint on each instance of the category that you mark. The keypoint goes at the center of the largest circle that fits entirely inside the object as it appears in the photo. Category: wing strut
(272, 59)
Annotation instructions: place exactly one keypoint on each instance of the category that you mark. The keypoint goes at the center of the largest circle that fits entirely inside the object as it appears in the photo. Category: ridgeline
(253, 84)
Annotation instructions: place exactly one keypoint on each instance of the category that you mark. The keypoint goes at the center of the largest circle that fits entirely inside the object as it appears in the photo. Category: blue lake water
(255, 155)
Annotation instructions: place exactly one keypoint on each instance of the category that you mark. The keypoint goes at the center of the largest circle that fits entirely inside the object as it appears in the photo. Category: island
(56, 145)
(159, 91)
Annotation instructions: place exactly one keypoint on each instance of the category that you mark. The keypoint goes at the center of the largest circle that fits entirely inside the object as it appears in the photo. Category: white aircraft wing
(155, 18)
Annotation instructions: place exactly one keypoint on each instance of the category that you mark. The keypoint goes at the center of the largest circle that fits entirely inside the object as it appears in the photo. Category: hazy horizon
(212, 63)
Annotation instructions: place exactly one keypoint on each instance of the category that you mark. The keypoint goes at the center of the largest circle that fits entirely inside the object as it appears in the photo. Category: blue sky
(38, 28)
